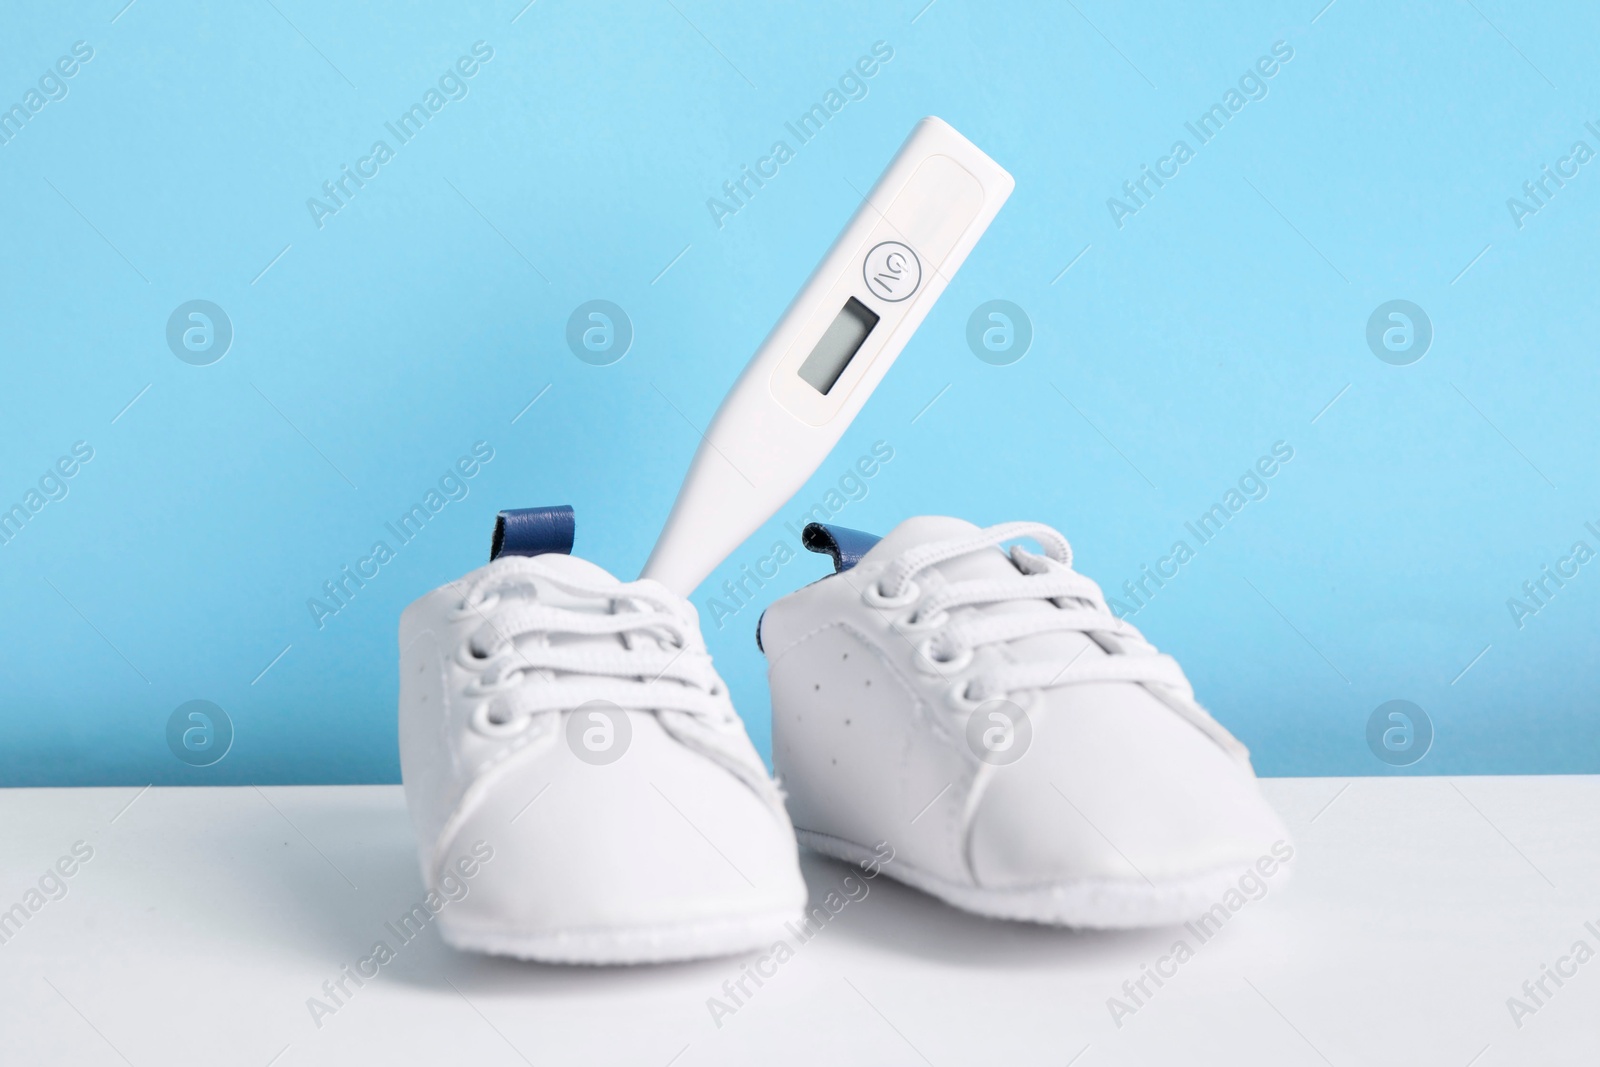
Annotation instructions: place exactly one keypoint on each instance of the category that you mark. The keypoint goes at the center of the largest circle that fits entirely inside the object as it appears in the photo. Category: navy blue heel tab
(846, 546)
(533, 532)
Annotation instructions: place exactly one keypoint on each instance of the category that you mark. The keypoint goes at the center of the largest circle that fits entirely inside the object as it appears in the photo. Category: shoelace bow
(658, 663)
(1080, 608)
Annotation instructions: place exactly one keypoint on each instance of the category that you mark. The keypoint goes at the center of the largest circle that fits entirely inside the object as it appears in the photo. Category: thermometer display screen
(839, 344)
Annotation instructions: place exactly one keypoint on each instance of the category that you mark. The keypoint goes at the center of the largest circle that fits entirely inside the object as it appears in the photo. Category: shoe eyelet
(482, 722)
(958, 698)
(932, 664)
(467, 657)
(477, 687)
(874, 596)
(465, 610)
(910, 624)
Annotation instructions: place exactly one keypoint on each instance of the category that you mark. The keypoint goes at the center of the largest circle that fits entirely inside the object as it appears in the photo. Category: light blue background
(1222, 318)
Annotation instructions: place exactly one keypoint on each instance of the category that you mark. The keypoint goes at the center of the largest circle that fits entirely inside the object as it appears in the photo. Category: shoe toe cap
(1116, 787)
(662, 837)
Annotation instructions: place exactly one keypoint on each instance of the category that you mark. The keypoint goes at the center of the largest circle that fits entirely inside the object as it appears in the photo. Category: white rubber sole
(626, 945)
(1095, 904)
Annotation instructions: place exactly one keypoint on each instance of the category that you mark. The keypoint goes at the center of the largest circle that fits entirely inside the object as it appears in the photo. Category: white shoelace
(658, 662)
(1081, 608)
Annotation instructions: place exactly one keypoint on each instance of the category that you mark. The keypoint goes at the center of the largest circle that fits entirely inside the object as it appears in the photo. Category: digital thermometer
(831, 348)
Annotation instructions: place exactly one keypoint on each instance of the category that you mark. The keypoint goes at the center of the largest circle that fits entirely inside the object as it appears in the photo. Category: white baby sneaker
(580, 786)
(1024, 753)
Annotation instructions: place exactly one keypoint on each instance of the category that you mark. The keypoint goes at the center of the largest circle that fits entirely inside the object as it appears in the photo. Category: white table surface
(208, 916)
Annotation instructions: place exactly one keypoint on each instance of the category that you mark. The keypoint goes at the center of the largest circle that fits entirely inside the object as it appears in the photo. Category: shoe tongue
(562, 568)
(918, 531)
(987, 563)
(576, 569)
(579, 572)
